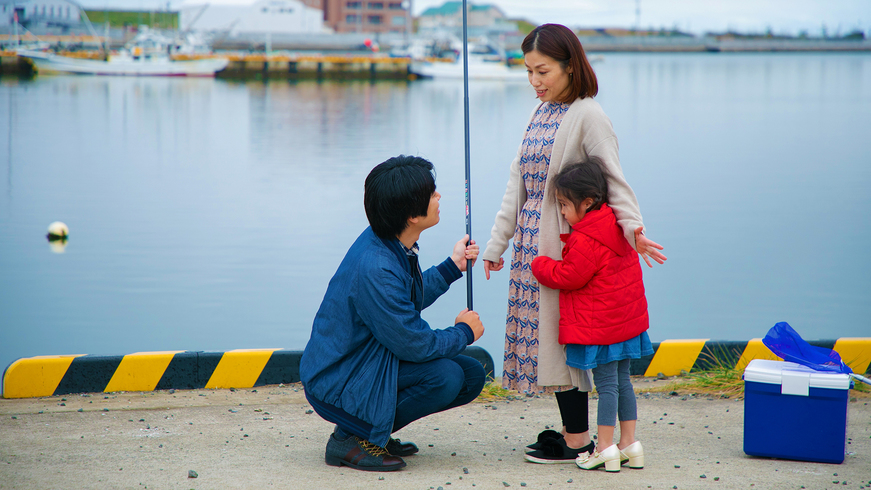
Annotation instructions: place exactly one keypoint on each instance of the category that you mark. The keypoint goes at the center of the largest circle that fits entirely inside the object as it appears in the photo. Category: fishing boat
(148, 54)
(478, 70)
(485, 63)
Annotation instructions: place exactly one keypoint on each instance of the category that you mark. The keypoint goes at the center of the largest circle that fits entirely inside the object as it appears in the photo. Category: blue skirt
(590, 356)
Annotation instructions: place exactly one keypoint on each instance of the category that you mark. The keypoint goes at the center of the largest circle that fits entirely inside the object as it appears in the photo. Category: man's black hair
(396, 190)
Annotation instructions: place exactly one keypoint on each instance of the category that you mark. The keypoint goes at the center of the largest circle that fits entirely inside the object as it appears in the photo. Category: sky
(695, 16)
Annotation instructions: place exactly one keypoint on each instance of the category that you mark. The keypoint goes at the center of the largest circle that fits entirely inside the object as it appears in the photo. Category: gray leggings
(616, 396)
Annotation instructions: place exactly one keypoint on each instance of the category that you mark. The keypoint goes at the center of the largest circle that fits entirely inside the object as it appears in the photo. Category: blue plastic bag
(789, 346)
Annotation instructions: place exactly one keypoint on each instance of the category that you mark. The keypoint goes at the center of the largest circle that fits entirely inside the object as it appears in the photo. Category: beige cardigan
(584, 131)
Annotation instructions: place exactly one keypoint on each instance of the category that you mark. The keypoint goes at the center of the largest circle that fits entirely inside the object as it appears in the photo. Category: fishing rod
(468, 169)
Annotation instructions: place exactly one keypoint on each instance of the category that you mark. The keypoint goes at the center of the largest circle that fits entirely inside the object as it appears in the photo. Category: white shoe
(609, 458)
(633, 454)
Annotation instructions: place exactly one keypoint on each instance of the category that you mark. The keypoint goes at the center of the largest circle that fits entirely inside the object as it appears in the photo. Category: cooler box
(794, 412)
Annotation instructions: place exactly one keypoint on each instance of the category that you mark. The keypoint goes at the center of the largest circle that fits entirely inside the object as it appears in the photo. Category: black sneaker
(398, 448)
(360, 454)
(555, 451)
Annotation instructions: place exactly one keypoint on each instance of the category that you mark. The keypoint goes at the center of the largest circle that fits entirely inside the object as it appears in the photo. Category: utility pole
(407, 5)
(637, 16)
(15, 26)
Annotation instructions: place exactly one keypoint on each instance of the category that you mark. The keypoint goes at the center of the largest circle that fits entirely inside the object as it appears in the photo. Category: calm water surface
(210, 215)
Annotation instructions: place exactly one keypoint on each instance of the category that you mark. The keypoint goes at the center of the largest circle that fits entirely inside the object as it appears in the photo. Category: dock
(265, 66)
(354, 67)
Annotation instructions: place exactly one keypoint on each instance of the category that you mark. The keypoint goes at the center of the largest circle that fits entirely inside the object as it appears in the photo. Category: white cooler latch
(795, 383)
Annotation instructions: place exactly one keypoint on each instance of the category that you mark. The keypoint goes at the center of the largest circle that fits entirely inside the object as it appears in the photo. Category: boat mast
(84, 15)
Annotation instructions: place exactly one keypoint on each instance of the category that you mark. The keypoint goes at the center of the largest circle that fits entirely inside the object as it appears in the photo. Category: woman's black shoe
(554, 451)
(545, 436)
(361, 455)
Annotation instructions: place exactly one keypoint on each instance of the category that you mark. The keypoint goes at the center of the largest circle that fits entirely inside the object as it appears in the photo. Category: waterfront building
(38, 14)
(482, 19)
(368, 16)
(252, 17)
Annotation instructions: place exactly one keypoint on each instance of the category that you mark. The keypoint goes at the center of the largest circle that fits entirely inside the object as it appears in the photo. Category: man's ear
(414, 221)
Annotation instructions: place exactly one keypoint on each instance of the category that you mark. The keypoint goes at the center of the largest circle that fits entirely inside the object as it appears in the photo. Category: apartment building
(40, 13)
(368, 16)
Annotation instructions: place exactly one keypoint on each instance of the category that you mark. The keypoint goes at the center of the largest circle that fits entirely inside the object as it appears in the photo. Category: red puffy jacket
(601, 298)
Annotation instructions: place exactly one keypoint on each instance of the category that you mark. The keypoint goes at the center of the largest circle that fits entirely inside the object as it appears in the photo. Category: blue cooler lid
(795, 379)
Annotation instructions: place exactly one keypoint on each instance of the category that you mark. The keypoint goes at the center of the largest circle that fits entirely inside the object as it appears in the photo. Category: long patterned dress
(520, 372)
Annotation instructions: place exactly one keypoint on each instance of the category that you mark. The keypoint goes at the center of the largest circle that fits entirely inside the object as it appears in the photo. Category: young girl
(603, 312)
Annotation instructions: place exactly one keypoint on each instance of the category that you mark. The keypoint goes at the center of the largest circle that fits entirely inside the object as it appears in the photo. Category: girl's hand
(646, 248)
(463, 253)
(489, 265)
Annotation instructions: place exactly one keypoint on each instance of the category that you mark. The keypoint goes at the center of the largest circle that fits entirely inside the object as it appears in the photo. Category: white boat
(148, 54)
(125, 65)
(485, 63)
(478, 70)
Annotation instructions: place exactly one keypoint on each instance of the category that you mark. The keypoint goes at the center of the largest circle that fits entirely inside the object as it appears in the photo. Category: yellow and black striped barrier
(673, 356)
(149, 371)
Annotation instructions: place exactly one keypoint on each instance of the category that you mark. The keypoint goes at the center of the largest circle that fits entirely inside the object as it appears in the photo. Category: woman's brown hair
(560, 43)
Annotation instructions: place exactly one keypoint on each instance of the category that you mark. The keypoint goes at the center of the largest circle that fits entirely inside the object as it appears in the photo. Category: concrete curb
(246, 368)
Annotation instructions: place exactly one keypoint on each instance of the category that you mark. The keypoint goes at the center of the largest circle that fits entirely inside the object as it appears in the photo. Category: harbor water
(210, 214)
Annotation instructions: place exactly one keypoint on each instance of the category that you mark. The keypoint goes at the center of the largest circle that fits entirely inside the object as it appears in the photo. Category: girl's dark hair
(578, 181)
(396, 190)
(560, 43)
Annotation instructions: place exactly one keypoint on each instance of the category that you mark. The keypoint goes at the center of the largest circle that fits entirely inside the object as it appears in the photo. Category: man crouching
(372, 364)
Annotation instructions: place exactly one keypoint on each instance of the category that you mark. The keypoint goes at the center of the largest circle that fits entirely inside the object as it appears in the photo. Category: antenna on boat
(468, 170)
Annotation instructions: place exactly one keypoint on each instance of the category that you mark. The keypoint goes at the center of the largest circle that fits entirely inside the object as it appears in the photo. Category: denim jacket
(368, 321)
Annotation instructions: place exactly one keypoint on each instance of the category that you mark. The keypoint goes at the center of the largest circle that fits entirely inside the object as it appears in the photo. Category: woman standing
(567, 126)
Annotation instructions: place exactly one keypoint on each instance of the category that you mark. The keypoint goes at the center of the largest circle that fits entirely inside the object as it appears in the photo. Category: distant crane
(195, 19)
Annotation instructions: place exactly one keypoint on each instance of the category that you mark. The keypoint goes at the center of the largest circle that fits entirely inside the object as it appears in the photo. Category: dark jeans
(423, 389)
(435, 386)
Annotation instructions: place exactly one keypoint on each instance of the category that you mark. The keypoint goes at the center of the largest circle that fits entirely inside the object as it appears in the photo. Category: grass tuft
(720, 382)
(861, 388)
(494, 391)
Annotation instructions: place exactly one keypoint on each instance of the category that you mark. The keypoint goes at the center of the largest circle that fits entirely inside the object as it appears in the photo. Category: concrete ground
(269, 437)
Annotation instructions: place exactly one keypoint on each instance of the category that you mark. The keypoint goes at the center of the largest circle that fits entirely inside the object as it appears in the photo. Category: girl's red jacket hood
(601, 226)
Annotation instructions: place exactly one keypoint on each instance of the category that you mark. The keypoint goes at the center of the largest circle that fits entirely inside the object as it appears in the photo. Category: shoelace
(373, 449)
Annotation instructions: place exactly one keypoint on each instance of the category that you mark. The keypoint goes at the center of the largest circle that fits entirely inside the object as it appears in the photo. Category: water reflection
(58, 246)
(10, 109)
(209, 215)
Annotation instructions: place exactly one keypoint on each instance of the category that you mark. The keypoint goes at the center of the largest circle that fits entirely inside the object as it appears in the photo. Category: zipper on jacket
(414, 262)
